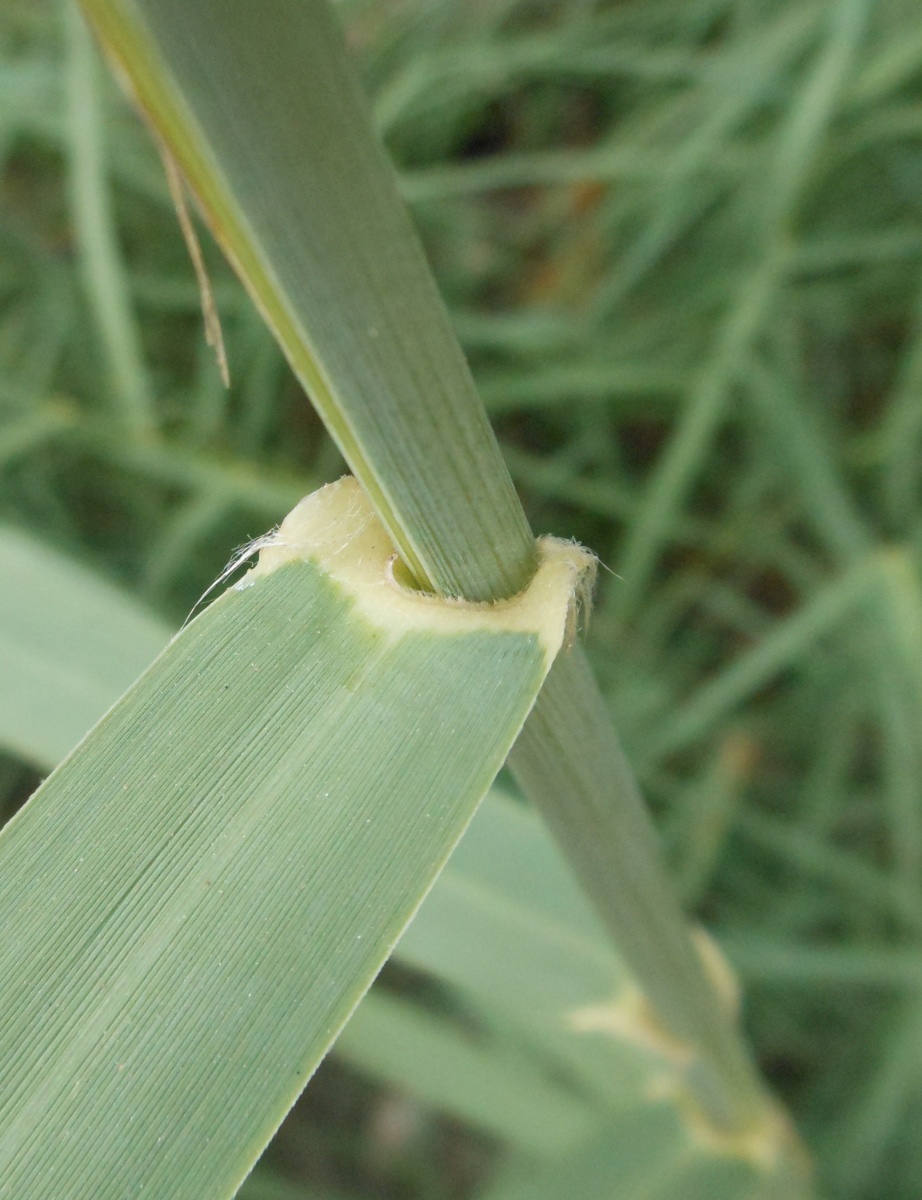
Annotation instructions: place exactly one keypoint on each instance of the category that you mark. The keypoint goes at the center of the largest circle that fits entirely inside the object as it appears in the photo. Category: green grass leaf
(334, 263)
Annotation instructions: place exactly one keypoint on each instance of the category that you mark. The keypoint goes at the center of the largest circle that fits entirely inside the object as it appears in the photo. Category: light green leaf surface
(65, 624)
(201, 893)
(69, 646)
(52, 610)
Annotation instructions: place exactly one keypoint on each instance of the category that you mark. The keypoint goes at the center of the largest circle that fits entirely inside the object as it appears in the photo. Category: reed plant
(206, 886)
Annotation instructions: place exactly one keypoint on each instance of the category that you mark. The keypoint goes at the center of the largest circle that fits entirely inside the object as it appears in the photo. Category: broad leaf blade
(81, 642)
(202, 892)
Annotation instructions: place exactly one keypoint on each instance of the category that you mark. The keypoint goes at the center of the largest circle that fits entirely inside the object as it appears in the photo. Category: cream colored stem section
(336, 526)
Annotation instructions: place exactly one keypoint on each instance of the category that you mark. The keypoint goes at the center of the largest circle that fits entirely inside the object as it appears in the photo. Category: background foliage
(681, 243)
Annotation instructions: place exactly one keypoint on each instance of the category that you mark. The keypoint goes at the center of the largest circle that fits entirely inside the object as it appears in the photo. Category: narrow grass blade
(320, 249)
(647, 1154)
(104, 273)
(781, 647)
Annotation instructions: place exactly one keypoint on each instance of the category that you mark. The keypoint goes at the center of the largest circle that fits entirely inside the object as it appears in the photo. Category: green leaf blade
(192, 912)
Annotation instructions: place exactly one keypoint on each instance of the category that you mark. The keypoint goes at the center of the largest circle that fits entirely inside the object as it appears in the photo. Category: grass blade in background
(69, 646)
(105, 279)
(202, 892)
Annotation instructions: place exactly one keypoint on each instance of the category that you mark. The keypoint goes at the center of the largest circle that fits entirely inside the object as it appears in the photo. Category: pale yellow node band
(337, 528)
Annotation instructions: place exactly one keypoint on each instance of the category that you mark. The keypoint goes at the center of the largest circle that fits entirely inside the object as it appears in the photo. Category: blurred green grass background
(681, 241)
